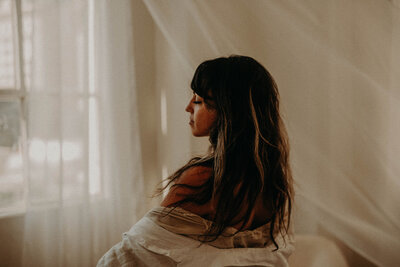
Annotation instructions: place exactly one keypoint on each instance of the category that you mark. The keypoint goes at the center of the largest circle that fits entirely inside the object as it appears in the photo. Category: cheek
(207, 119)
(212, 117)
(203, 117)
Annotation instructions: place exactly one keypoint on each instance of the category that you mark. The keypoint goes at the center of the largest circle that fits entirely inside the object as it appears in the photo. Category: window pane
(27, 29)
(7, 75)
(11, 168)
(64, 152)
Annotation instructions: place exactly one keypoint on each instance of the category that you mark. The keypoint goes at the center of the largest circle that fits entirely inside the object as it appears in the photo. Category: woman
(233, 205)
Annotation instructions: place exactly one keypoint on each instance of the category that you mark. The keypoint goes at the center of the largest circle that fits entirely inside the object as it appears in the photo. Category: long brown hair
(249, 151)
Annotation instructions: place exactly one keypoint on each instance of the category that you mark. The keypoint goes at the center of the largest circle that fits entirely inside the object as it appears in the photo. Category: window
(12, 106)
(51, 155)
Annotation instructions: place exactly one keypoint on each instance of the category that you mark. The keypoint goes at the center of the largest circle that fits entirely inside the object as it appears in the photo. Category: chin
(196, 135)
(199, 134)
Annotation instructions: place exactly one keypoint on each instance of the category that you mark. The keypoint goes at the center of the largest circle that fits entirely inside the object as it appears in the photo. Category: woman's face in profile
(202, 118)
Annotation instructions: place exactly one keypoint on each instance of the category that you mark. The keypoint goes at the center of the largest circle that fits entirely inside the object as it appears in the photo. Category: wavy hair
(249, 152)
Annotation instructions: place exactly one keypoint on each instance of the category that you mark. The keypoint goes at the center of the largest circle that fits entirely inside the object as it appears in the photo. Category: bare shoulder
(195, 176)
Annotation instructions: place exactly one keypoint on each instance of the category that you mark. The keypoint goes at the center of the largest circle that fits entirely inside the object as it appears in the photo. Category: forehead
(196, 95)
(199, 94)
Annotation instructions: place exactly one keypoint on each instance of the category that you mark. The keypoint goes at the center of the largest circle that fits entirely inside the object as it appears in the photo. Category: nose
(189, 107)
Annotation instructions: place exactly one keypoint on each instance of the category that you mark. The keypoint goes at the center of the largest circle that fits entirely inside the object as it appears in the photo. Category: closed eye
(197, 102)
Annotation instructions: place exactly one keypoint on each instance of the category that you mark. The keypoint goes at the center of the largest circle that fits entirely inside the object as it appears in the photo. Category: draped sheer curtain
(337, 64)
(85, 185)
(109, 80)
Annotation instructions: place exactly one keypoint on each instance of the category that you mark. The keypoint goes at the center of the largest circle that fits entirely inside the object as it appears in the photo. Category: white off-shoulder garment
(169, 237)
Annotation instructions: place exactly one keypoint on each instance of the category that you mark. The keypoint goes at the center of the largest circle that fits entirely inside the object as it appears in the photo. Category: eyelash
(197, 102)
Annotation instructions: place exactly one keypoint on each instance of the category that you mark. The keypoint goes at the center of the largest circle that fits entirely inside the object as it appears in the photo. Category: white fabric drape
(85, 183)
(337, 64)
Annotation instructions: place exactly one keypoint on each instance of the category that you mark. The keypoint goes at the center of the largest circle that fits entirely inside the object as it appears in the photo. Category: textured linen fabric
(169, 237)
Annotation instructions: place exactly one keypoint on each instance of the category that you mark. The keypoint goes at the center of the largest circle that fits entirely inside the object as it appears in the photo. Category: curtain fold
(85, 176)
(337, 66)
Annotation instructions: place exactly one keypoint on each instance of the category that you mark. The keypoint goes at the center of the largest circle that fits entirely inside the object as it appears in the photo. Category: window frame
(18, 94)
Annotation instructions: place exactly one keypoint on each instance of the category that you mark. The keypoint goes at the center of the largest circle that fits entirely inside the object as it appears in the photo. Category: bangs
(210, 77)
(200, 84)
